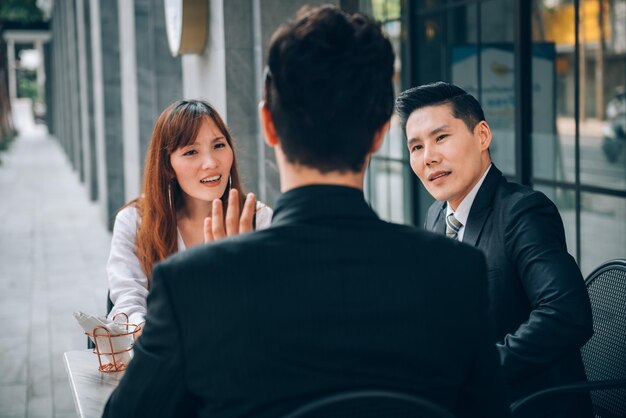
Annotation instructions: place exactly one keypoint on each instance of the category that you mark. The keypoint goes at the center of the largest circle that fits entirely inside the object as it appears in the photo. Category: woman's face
(203, 167)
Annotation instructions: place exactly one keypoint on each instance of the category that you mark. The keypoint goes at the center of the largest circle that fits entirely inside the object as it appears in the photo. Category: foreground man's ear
(379, 137)
(267, 124)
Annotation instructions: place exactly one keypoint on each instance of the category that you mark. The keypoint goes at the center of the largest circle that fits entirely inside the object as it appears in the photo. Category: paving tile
(39, 407)
(53, 252)
(13, 364)
(40, 376)
(12, 401)
(13, 307)
(62, 396)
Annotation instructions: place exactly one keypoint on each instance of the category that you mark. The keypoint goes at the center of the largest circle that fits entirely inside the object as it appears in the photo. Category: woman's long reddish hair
(161, 196)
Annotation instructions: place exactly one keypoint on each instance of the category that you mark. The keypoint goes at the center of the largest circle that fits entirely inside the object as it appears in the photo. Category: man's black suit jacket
(329, 298)
(537, 295)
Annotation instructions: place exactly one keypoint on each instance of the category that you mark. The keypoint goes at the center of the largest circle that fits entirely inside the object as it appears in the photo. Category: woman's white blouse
(128, 283)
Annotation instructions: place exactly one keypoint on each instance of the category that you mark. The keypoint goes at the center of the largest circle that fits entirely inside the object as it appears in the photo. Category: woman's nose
(208, 161)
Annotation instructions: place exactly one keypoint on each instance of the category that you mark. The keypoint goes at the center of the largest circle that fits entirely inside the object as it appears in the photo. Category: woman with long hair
(190, 195)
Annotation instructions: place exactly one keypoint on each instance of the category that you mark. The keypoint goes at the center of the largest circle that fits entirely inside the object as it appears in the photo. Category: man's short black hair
(464, 105)
(329, 87)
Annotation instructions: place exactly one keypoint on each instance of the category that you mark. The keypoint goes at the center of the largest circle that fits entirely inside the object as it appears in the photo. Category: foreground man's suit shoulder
(329, 298)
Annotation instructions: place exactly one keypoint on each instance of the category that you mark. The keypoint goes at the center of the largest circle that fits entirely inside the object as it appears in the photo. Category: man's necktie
(452, 226)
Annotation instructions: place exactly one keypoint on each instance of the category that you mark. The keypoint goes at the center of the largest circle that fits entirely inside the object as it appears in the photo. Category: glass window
(497, 79)
(603, 230)
(388, 185)
(602, 95)
(553, 129)
(387, 177)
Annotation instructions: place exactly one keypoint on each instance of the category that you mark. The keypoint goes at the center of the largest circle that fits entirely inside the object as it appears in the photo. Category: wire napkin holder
(114, 349)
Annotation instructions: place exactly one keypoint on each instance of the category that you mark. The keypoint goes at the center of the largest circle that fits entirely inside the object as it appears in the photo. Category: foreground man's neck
(292, 176)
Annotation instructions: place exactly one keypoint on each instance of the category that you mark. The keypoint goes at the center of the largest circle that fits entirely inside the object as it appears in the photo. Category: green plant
(27, 85)
(6, 137)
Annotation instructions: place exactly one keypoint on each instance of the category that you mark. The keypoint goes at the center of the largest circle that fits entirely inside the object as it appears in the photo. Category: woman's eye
(220, 145)
(416, 148)
(441, 137)
(190, 152)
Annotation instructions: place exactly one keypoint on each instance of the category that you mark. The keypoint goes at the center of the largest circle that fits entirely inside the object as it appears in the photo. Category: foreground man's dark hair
(329, 87)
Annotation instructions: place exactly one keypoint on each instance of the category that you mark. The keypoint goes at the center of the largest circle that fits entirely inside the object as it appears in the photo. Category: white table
(90, 387)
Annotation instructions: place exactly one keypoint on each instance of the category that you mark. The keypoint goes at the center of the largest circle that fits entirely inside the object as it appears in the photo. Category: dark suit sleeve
(484, 393)
(560, 320)
(153, 384)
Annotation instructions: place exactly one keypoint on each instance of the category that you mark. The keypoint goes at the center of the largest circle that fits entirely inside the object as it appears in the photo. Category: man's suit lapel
(481, 207)
(435, 221)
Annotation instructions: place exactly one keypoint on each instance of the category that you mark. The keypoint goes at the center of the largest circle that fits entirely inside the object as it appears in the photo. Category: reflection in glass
(602, 104)
(603, 230)
(601, 82)
(386, 180)
(553, 132)
(497, 79)
(388, 184)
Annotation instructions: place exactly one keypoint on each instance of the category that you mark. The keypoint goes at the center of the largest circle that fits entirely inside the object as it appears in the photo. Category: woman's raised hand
(218, 226)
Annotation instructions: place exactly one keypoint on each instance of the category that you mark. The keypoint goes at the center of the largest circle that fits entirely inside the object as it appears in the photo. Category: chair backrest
(370, 404)
(604, 355)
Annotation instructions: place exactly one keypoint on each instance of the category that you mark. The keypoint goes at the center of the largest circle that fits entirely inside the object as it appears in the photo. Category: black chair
(370, 404)
(90, 344)
(604, 355)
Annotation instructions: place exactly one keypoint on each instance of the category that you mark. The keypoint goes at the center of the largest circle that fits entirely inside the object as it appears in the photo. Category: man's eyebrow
(411, 141)
(438, 129)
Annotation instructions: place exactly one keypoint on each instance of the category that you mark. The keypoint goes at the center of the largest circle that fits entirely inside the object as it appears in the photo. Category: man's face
(447, 157)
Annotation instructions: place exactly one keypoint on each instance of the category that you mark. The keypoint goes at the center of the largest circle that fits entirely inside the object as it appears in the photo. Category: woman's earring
(230, 182)
(169, 194)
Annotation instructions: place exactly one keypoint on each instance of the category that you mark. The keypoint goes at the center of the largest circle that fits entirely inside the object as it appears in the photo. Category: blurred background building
(550, 74)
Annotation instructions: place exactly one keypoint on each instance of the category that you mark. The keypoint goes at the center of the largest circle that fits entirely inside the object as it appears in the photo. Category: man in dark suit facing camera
(330, 298)
(537, 294)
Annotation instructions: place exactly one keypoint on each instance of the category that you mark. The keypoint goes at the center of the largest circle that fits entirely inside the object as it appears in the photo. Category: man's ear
(483, 133)
(267, 124)
(379, 137)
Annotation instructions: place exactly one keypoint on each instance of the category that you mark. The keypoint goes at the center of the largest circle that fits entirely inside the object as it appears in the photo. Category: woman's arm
(128, 283)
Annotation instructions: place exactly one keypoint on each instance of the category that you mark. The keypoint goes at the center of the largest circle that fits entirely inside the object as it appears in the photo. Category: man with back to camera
(329, 298)
(537, 294)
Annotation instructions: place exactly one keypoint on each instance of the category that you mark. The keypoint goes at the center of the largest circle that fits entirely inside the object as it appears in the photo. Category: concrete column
(92, 184)
(12, 75)
(130, 115)
(107, 106)
(64, 113)
(83, 99)
(159, 75)
(73, 117)
(41, 68)
(49, 90)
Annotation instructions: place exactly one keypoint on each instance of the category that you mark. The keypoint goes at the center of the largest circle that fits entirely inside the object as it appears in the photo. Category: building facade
(550, 75)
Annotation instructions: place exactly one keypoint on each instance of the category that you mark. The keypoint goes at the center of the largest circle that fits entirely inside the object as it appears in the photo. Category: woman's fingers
(217, 220)
(232, 213)
(218, 226)
(208, 232)
(247, 214)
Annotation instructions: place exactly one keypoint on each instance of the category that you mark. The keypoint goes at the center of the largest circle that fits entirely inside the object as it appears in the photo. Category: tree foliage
(25, 11)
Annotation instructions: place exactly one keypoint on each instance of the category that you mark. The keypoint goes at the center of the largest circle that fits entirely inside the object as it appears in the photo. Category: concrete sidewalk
(53, 251)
